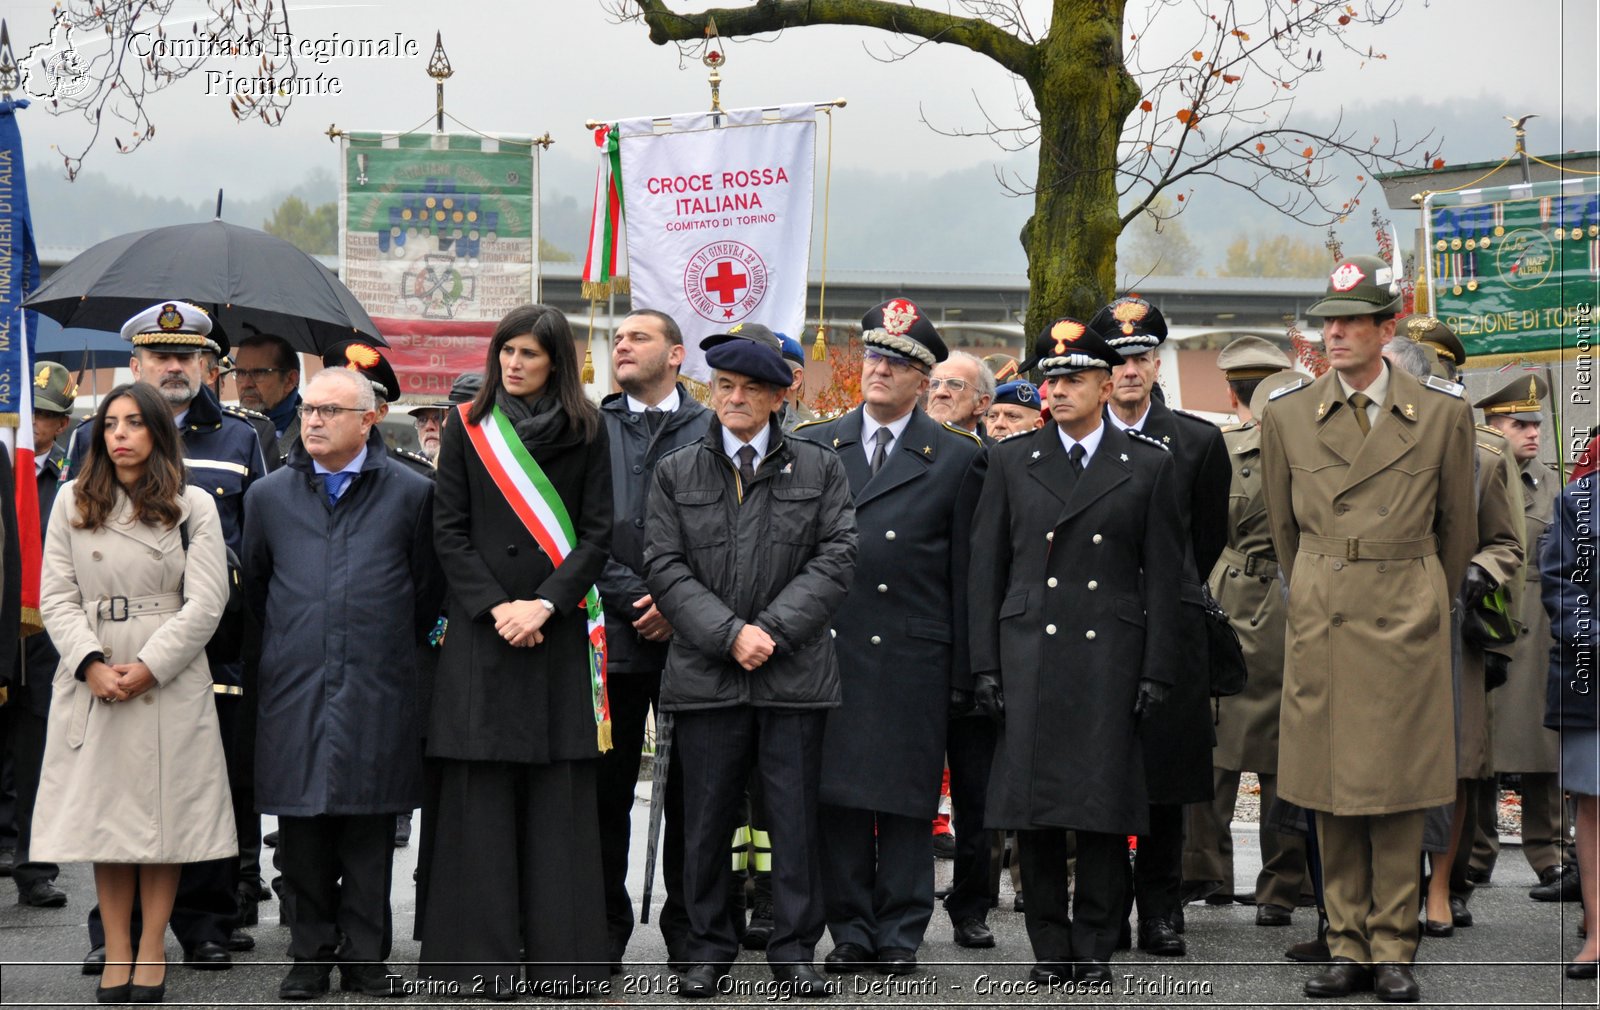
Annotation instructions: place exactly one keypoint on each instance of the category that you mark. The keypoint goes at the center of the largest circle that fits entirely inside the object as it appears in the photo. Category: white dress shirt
(869, 434)
(1090, 442)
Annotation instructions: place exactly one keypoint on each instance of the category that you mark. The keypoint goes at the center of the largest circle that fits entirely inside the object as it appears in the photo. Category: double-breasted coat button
(1383, 510)
(1383, 622)
(1051, 535)
(511, 549)
(876, 640)
(1340, 509)
(1337, 565)
(1051, 582)
(156, 555)
(1383, 566)
(1097, 538)
(1093, 585)
(1244, 471)
(882, 588)
(1049, 629)
(95, 555)
(637, 468)
(638, 524)
(1089, 634)
(1337, 620)
(149, 699)
(888, 535)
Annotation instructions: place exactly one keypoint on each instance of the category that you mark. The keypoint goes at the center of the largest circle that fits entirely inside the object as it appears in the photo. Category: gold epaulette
(962, 431)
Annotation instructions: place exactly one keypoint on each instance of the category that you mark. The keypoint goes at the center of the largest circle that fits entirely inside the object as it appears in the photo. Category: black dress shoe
(1017, 903)
(1478, 878)
(1201, 890)
(1459, 913)
(1438, 929)
(1273, 915)
(402, 830)
(973, 932)
(701, 981)
(1581, 969)
(944, 846)
(847, 958)
(94, 962)
(1341, 977)
(208, 956)
(1156, 936)
(270, 839)
(306, 980)
(41, 894)
(1313, 951)
(1394, 983)
(369, 978)
(239, 940)
(896, 961)
(1050, 973)
(1091, 971)
(803, 980)
(1557, 883)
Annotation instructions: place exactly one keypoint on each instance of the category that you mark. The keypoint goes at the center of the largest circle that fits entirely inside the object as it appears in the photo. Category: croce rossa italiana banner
(718, 217)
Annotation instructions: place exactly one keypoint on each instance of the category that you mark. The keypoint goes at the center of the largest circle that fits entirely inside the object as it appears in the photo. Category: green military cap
(1430, 332)
(1251, 358)
(1359, 286)
(1518, 399)
(1270, 385)
(53, 388)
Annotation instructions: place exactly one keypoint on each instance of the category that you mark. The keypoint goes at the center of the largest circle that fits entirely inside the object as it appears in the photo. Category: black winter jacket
(635, 451)
(778, 553)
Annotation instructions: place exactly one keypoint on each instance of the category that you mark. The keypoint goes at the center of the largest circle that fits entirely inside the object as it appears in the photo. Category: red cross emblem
(725, 283)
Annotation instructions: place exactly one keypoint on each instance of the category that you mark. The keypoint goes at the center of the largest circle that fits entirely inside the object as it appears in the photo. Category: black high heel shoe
(149, 993)
(1581, 969)
(113, 994)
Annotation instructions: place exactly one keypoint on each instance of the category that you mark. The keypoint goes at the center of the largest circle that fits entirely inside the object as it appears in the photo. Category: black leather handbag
(1223, 649)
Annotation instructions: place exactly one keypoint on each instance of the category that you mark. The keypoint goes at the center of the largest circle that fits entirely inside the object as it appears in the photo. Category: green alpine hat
(53, 388)
(1359, 286)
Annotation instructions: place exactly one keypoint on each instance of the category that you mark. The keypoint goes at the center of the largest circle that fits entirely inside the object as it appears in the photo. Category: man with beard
(428, 418)
(1074, 620)
(222, 454)
(902, 640)
(266, 371)
(1178, 738)
(653, 415)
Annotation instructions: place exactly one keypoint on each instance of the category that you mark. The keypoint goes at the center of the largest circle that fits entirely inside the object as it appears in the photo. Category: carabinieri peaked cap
(360, 356)
(1067, 346)
(900, 329)
(1131, 325)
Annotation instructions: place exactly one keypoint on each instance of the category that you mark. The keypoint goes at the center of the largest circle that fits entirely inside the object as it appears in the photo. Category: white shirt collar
(869, 431)
(731, 445)
(1137, 425)
(354, 466)
(668, 404)
(178, 419)
(1090, 442)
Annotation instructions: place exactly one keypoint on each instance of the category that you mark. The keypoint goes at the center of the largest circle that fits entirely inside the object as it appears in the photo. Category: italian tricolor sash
(523, 482)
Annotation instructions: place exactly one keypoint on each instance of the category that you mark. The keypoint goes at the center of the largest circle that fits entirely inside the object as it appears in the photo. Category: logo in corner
(53, 69)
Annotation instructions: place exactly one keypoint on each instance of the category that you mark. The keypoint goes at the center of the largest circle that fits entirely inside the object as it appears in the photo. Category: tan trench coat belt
(1251, 564)
(1367, 549)
(121, 608)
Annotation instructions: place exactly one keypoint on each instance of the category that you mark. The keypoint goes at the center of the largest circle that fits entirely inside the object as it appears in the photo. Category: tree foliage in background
(315, 231)
(120, 82)
(1156, 244)
(1117, 125)
(1275, 256)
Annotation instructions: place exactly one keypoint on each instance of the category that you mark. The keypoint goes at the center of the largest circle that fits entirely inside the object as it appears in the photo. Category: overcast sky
(548, 66)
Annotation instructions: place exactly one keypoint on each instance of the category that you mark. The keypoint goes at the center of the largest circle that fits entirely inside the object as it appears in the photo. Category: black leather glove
(988, 696)
(1478, 585)
(961, 703)
(1151, 694)
(1495, 670)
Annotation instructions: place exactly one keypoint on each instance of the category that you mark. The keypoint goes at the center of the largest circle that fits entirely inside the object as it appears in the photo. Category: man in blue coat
(339, 562)
(902, 640)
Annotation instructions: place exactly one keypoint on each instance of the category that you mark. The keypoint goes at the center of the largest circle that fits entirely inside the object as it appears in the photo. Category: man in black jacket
(652, 416)
(750, 545)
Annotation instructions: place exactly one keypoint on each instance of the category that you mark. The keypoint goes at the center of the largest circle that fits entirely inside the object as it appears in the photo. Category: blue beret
(1020, 393)
(792, 349)
(748, 358)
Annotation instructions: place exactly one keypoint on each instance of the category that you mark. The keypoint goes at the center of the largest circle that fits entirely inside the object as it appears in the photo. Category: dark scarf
(541, 424)
(283, 414)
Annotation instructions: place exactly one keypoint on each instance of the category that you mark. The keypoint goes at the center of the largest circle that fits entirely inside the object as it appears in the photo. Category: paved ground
(1511, 957)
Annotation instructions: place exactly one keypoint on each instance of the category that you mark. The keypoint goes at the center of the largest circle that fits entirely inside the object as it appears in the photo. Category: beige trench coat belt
(1366, 549)
(1251, 564)
(122, 608)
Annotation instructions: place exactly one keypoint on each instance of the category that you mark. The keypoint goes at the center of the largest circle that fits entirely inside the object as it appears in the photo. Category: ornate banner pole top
(714, 59)
(440, 70)
(10, 74)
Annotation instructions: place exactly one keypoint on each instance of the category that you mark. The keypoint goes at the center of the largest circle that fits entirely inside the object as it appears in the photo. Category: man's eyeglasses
(954, 385)
(428, 418)
(327, 411)
(257, 374)
(894, 363)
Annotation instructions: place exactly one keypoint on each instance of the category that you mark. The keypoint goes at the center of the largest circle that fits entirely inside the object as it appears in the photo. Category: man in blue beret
(1016, 407)
(794, 409)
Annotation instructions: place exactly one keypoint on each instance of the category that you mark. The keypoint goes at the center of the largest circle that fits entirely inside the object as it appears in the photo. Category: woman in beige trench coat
(132, 778)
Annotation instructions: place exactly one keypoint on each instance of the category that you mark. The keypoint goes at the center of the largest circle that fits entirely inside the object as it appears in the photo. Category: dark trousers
(969, 750)
(1208, 849)
(1473, 793)
(632, 696)
(24, 732)
(717, 747)
(1158, 868)
(879, 883)
(207, 907)
(338, 868)
(514, 888)
(1089, 933)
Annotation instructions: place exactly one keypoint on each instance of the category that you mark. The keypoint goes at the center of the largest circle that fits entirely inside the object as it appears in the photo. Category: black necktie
(747, 464)
(1075, 457)
(883, 436)
(653, 416)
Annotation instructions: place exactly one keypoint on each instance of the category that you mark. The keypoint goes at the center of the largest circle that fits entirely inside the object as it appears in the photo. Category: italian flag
(605, 266)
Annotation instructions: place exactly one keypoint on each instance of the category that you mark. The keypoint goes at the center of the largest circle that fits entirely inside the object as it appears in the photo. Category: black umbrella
(245, 278)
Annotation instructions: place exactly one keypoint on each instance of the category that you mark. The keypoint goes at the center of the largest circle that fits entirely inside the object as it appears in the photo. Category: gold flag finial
(440, 70)
(714, 59)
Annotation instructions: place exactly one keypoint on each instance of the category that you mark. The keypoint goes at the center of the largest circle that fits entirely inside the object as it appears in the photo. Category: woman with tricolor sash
(510, 891)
